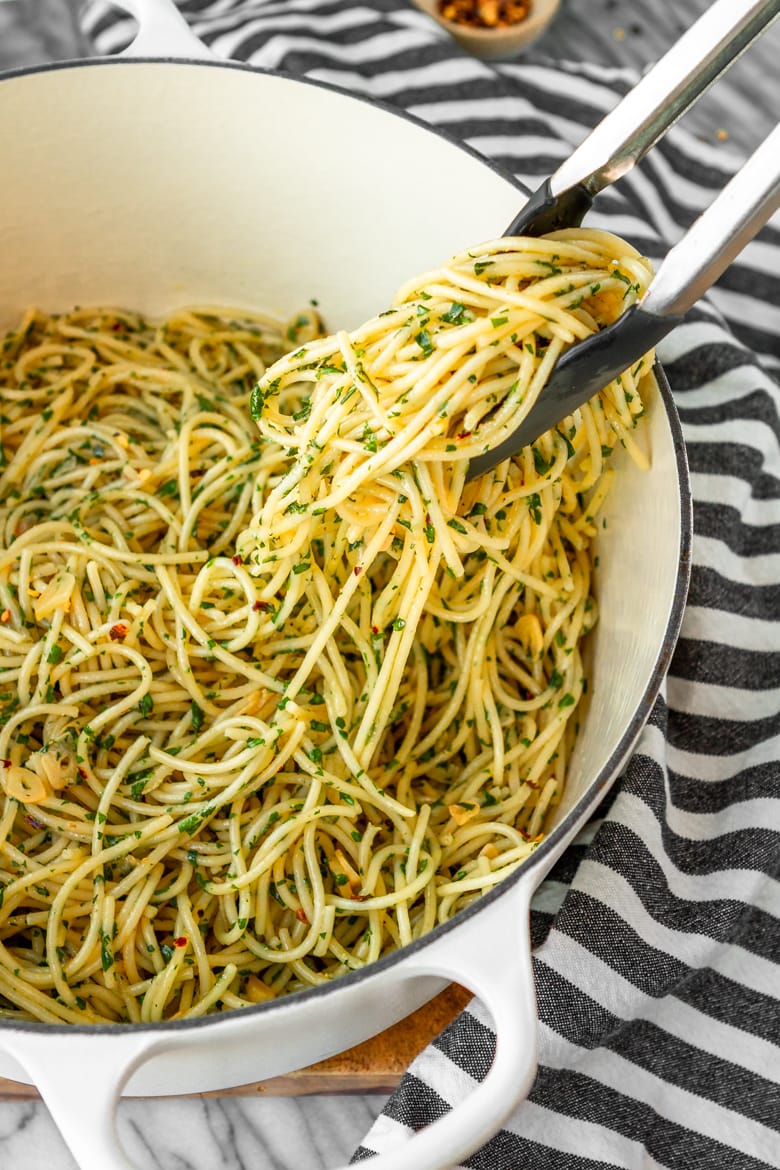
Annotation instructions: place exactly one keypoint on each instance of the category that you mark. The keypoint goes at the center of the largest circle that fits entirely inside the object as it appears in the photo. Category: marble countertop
(236, 1133)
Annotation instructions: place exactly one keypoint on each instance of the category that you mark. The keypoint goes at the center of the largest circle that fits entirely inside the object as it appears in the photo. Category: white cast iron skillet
(156, 183)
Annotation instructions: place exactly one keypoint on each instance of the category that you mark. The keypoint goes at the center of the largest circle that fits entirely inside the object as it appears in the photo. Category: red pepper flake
(118, 632)
(117, 326)
(6, 763)
(82, 773)
(300, 914)
(375, 629)
(358, 897)
(463, 434)
(357, 570)
(238, 560)
(180, 942)
(260, 605)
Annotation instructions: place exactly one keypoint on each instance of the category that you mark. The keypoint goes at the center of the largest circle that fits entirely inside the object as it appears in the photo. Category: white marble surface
(229, 1133)
(315, 1133)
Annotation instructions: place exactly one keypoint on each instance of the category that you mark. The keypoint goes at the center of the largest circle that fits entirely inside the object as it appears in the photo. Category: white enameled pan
(152, 183)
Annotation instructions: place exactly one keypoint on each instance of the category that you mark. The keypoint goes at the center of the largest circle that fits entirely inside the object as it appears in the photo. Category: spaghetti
(274, 705)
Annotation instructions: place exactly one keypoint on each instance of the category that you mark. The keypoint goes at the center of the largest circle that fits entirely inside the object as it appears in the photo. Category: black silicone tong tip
(545, 212)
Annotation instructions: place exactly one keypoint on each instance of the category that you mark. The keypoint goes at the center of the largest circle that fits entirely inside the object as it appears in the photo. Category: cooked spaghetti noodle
(274, 705)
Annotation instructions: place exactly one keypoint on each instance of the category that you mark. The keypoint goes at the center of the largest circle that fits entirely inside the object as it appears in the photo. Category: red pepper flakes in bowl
(485, 13)
(492, 28)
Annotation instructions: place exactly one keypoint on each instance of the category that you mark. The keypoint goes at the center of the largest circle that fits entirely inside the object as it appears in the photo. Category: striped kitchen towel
(657, 949)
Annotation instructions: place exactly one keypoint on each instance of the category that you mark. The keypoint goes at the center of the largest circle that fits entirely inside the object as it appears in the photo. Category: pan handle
(162, 32)
(82, 1099)
(492, 958)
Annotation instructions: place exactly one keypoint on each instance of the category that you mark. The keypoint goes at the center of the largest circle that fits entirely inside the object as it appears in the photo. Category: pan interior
(168, 184)
(636, 584)
(159, 185)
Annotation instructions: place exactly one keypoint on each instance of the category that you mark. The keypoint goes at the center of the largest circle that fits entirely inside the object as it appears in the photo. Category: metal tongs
(619, 141)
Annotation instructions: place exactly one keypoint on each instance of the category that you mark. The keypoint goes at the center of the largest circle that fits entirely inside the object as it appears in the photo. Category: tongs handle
(720, 233)
(644, 115)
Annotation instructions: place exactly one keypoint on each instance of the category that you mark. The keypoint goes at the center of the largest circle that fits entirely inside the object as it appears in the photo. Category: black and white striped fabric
(657, 948)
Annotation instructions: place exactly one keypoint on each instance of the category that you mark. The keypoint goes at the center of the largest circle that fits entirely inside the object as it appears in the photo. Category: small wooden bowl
(493, 43)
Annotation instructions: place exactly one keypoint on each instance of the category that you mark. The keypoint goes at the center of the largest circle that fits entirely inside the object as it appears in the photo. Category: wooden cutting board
(375, 1066)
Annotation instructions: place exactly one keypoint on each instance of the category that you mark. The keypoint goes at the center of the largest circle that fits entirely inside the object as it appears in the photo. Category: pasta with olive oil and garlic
(276, 703)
